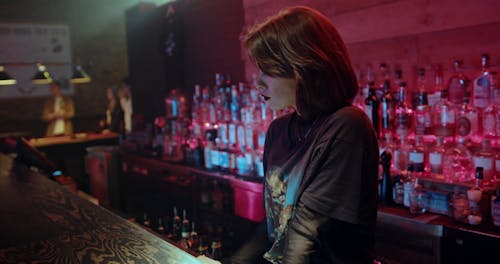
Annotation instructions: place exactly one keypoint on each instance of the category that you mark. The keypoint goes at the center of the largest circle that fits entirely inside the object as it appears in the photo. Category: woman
(321, 160)
(114, 112)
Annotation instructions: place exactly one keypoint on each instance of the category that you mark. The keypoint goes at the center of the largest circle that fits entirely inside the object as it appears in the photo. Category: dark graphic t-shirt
(329, 165)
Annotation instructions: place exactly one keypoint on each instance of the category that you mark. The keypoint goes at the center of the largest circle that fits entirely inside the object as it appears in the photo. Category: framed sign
(22, 46)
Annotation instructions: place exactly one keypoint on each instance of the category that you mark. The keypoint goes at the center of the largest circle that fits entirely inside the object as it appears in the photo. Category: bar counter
(44, 222)
(401, 237)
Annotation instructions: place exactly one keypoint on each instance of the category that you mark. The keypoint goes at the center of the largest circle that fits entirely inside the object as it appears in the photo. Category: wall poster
(23, 45)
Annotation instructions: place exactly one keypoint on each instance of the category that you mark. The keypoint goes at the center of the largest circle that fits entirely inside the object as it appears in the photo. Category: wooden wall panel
(411, 33)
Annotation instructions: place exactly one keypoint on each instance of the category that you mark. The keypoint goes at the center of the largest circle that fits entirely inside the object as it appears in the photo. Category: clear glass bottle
(417, 157)
(423, 119)
(400, 156)
(408, 186)
(372, 105)
(482, 84)
(436, 154)
(490, 113)
(176, 225)
(403, 114)
(387, 109)
(457, 163)
(467, 121)
(458, 84)
(485, 158)
(443, 117)
(435, 95)
(474, 195)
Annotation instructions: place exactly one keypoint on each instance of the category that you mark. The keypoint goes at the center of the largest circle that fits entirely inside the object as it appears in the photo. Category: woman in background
(114, 112)
(320, 161)
(126, 104)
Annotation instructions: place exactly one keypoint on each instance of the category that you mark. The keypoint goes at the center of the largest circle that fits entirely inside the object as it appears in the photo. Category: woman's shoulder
(348, 123)
(280, 122)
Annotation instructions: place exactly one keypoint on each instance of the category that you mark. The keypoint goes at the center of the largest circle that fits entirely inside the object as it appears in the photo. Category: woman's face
(277, 92)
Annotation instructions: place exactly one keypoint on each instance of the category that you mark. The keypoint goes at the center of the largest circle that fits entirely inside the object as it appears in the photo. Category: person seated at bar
(114, 112)
(321, 160)
(58, 112)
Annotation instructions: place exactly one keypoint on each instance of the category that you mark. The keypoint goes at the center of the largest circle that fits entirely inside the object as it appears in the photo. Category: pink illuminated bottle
(485, 158)
(458, 84)
(403, 114)
(457, 163)
(467, 121)
(482, 84)
(436, 154)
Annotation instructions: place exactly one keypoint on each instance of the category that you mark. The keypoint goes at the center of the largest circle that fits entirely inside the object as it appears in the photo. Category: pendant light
(79, 75)
(5, 78)
(41, 76)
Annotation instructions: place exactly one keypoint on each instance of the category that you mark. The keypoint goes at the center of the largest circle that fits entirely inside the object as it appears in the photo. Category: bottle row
(472, 206)
(453, 110)
(452, 162)
(183, 232)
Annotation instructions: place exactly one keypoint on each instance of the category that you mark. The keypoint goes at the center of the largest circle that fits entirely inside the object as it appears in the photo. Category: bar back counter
(44, 222)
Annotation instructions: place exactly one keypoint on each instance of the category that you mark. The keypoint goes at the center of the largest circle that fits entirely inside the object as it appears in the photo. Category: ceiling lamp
(5, 78)
(79, 75)
(41, 76)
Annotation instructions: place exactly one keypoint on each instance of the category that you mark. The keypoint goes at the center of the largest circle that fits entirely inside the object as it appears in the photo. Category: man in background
(58, 111)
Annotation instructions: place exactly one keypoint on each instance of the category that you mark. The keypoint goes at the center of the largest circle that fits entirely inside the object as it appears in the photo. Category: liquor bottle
(482, 84)
(161, 228)
(242, 165)
(436, 154)
(193, 237)
(216, 250)
(207, 153)
(408, 186)
(495, 209)
(359, 99)
(386, 185)
(398, 79)
(403, 114)
(457, 163)
(145, 220)
(485, 158)
(435, 95)
(467, 122)
(372, 105)
(443, 118)
(398, 190)
(417, 157)
(423, 121)
(215, 156)
(202, 249)
(474, 196)
(185, 232)
(458, 84)
(400, 155)
(176, 225)
(387, 109)
(419, 200)
(184, 242)
(490, 113)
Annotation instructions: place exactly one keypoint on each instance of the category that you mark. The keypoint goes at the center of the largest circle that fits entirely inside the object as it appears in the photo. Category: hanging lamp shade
(5, 78)
(42, 76)
(79, 75)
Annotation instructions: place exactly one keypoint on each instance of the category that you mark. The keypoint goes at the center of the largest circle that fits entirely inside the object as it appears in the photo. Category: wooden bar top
(42, 221)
